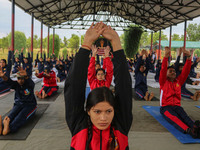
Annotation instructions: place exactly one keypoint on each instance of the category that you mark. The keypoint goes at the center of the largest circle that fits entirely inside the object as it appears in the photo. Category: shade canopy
(151, 14)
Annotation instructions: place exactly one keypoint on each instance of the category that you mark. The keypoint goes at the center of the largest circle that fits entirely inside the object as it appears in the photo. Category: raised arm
(91, 68)
(186, 69)
(163, 71)
(9, 65)
(178, 59)
(123, 83)
(21, 56)
(108, 66)
(75, 83)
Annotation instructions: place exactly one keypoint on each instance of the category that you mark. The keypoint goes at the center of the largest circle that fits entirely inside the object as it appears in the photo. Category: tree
(62, 45)
(193, 32)
(175, 37)
(36, 42)
(56, 44)
(156, 37)
(64, 52)
(74, 42)
(144, 39)
(122, 40)
(20, 40)
(4, 43)
(65, 41)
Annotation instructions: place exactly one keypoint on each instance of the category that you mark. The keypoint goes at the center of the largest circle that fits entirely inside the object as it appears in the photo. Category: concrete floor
(51, 132)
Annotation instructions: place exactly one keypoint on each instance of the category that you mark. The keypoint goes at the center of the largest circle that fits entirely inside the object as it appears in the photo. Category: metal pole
(170, 42)
(13, 27)
(53, 38)
(159, 45)
(48, 43)
(41, 39)
(32, 26)
(151, 41)
(185, 33)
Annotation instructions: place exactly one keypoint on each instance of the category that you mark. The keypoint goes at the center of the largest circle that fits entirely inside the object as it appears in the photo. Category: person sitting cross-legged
(25, 104)
(50, 86)
(141, 71)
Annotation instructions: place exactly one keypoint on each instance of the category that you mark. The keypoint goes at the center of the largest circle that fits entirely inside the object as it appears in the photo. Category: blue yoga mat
(87, 91)
(198, 106)
(183, 138)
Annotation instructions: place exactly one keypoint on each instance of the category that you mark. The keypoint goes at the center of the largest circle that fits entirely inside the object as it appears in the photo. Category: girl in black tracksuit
(77, 117)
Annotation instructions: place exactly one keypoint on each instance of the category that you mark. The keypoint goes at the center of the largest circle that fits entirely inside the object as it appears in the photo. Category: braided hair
(101, 94)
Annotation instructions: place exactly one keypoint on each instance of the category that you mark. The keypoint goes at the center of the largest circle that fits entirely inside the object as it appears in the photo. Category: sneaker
(193, 131)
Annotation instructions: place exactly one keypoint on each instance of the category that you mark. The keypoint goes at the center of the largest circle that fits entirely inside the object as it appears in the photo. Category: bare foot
(38, 94)
(194, 97)
(6, 123)
(198, 96)
(146, 96)
(44, 94)
(151, 96)
(58, 79)
(0, 124)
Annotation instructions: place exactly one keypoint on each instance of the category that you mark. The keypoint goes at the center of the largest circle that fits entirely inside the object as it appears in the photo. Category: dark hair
(172, 66)
(4, 60)
(101, 94)
(97, 64)
(100, 69)
(180, 65)
(48, 69)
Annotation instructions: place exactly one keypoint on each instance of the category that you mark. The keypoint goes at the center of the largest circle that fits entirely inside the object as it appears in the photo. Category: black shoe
(193, 131)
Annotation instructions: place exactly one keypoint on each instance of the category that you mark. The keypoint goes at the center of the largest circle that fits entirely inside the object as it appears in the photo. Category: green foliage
(74, 42)
(144, 39)
(156, 36)
(5, 44)
(197, 51)
(61, 44)
(64, 51)
(193, 32)
(65, 41)
(132, 38)
(56, 44)
(175, 37)
(20, 40)
(122, 40)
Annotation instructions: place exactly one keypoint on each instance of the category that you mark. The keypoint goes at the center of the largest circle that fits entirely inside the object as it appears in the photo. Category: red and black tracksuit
(93, 81)
(77, 117)
(50, 85)
(170, 97)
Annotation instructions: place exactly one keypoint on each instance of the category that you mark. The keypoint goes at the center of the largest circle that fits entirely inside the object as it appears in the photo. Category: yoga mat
(24, 131)
(60, 84)
(198, 106)
(87, 91)
(51, 98)
(183, 138)
(152, 83)
(134, 95)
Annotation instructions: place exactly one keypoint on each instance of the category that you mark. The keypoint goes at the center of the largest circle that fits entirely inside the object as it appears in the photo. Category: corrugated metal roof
(151, 14)
(178, 44)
